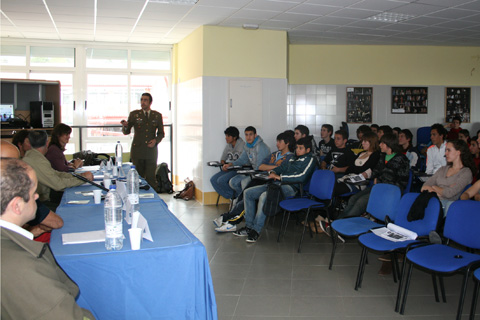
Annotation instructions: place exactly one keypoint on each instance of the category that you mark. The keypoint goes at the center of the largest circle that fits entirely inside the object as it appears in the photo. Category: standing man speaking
(149, 132)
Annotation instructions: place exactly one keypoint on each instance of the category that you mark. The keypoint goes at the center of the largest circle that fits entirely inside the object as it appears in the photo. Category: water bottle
(118, 154)
(113, 220)
(133, 184)
(109, 168)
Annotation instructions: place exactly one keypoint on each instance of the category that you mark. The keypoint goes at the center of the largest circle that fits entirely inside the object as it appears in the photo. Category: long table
(166, 279)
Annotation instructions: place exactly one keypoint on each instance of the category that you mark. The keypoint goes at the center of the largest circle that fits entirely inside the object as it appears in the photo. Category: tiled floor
(270, 280)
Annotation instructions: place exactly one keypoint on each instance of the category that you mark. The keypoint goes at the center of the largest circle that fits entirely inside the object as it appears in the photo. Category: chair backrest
(423, 136)
(422, 226)
(383, 200)
(463, 223)
(409, 183)
(321, 184)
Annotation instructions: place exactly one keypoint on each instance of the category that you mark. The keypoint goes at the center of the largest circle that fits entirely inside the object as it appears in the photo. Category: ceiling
(427, 22)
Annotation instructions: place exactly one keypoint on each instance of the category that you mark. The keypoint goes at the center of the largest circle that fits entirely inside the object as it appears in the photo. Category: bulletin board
(457, 103)
(359, 104)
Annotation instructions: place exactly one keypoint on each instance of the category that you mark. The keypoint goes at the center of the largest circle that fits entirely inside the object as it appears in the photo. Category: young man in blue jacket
(298, 169)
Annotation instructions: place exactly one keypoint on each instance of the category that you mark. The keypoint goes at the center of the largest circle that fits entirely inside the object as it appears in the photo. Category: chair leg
(435, 288)
(394, 267)
(474, 301)
(281, 226)
(334, 249)
(442, 288)
(303, 232)
(400, 285)
(462, 295)
(407, 285)
(218, 199)
(361, 268)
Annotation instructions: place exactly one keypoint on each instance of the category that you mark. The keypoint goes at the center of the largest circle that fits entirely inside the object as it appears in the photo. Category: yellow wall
(235, 52)
(384, 65)
(231, 52)
(188, 57)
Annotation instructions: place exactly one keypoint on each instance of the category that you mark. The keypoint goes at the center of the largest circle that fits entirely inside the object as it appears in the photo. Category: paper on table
(146, 195)
(78, 201)
(83, 237)
(143, 224)
(88, 168)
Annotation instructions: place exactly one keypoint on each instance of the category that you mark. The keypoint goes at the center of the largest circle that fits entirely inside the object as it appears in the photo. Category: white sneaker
(227, 227)
(218, 222)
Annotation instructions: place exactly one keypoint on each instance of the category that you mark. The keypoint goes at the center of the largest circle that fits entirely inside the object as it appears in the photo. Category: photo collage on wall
(409, 100)
(359, 105)
(457, 103)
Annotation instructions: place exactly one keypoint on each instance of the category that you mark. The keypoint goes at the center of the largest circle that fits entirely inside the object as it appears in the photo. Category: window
(52, 57)
(151, 60)
(13, 55)
(106, 58)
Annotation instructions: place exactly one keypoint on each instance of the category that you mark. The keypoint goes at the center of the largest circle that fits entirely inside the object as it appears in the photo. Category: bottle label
(133, 198)
(113, 230)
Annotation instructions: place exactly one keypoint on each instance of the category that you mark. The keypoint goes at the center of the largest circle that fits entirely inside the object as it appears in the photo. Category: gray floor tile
(266, 306)
(267, 287)
(303, 306)
(226, 304)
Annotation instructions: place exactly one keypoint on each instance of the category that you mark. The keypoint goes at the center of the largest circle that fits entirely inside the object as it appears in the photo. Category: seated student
(478, 136)
(20, 140)
(374, 128)
(472, 193)
(339, 158)
(297, 169)
(232, 152)
(356, 146)
(450, 180)
(48, 178)
(363, 164)
(396, 131)
(254, 151)
(302, 131)
(392, 168)
(45, 220)
(436, 152)
(33, 284)
(284, 153)
(464, 135)
(383, 130)
(405, 141)
(475, 151)
(327, 142)
(56, 148)
(454, 128)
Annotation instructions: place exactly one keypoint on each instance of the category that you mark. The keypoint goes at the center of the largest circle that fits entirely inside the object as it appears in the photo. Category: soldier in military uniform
(149, 132)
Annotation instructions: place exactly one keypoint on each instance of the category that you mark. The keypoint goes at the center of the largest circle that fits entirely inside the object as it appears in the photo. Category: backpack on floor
(188, 191)
(163, 181)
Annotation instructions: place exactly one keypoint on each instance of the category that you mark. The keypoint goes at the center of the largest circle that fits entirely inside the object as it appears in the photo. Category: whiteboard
(245, 103)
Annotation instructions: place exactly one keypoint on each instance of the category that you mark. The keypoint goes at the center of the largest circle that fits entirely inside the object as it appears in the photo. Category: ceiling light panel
(390, 17)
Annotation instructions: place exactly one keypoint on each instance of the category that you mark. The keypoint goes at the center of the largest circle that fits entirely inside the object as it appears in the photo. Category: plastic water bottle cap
(132, 167)
(113, 187)
(118, 141)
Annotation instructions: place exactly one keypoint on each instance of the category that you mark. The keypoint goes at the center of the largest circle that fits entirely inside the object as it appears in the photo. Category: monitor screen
(6, 112)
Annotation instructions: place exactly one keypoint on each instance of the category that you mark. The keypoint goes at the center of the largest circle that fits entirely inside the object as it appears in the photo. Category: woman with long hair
(58, 141)
(450, 180)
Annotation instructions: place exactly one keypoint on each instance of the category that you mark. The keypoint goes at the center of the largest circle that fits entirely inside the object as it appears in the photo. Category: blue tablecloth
(167, 279)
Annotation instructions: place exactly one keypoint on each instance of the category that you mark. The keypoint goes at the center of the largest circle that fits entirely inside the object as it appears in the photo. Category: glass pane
(66, 86)
(13, 55)
(13, 75)
(106, 58)
(151, 60)
(107, 97)
(52, 57)
(158, 87)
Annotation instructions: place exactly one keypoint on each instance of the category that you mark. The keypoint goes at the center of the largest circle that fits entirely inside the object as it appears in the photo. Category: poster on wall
(457, 103)
(359, 105)
(409, 100)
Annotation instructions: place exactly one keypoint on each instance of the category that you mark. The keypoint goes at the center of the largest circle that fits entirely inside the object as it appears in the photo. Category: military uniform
(143, 157)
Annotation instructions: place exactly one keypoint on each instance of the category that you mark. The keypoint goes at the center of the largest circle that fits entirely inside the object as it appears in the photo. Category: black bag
(90, 158)
(274, 196)
(163, 181)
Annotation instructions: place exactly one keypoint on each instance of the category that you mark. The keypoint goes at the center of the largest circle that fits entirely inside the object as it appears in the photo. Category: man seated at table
(298, 169)
(33, 285)
(436, 152)
(340, 157)
(48, 178)
(45, 220)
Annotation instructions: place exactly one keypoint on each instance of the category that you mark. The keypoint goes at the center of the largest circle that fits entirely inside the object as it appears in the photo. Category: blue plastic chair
(422, 227)
(321, 191)
(476, 278)
(423, 137)
(382, 202)
(461, 226)
(409, 183)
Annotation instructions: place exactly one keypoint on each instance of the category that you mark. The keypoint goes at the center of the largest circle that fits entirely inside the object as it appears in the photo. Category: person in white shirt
(436, 152)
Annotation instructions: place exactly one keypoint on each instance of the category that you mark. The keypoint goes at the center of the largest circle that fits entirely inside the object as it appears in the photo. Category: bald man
(45, 220)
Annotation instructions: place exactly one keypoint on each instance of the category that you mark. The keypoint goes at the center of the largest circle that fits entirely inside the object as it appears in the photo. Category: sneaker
(243, 232)
(226, 227)
(324, 225)
(218, 222)
(252, 236)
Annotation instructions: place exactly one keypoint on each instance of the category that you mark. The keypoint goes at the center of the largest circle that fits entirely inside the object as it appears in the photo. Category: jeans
(238, 183)
(446, 205)
(357, 204)
(255, 219)
(220, 181)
